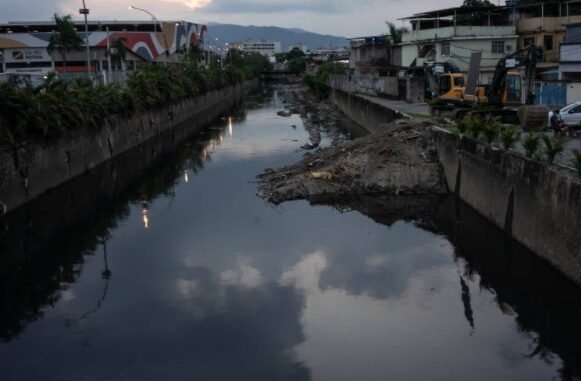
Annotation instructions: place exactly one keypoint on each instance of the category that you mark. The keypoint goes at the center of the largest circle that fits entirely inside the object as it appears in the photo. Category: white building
(454, 34)
(264, 47)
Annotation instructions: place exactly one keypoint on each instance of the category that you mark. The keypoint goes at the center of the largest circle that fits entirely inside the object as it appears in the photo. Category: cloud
(338, 17)
(191, 3)
(274, 6)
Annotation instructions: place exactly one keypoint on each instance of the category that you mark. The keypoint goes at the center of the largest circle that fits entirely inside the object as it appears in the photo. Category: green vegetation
(395, 33)
(509, 136)
(490, 131)
(319, 83)
(58, 107)
(419, 115)
(553, 147)
(477, 3)
(119, 51)
(531, 145)
(296, 60)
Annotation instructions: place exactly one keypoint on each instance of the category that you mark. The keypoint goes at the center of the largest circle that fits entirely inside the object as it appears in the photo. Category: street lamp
(160, 27)
(85, 11)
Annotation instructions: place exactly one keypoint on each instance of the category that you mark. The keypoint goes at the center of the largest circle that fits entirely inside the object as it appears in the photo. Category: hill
(287, 37)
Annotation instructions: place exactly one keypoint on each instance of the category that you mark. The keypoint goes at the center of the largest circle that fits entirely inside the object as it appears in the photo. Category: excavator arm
(531, 116)
(526, 57)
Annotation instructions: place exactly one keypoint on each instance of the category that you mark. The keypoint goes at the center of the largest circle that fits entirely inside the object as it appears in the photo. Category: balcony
(459, 32)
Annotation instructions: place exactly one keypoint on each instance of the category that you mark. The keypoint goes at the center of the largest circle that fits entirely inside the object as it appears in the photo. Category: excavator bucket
(533, 117)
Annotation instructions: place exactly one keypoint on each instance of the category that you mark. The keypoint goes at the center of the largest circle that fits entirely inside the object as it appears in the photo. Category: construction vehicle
(503, 98)
(445, 82)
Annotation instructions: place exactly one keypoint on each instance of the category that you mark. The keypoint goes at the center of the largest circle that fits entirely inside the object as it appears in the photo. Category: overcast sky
(338, 17)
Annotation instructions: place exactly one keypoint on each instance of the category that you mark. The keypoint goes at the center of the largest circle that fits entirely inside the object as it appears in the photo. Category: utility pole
(85, 11)
(109, 68)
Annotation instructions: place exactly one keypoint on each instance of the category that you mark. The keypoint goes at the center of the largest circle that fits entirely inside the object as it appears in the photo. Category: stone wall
(536, 204)
(34, 169)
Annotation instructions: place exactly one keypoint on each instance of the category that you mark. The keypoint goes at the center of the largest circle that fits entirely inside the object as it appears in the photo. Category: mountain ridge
(219, 34)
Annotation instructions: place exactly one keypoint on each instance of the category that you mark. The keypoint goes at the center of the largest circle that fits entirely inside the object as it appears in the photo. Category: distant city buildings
(265, 47)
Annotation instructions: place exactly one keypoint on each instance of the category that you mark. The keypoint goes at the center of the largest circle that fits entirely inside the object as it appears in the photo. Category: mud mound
(400, 160)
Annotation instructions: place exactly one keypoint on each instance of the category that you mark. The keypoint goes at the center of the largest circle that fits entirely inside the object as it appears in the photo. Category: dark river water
(173, 269)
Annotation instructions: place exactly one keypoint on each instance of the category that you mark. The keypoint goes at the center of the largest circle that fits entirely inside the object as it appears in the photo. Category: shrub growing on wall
(319, 83)
(59, 106)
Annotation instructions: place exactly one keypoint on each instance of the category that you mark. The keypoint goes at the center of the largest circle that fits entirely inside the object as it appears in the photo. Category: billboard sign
(26, 55)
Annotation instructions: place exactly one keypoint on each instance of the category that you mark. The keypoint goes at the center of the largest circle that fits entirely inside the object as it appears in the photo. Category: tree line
(58, 106)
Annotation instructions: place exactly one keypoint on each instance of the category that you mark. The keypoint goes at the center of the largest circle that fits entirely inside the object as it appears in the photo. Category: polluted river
(176, 269)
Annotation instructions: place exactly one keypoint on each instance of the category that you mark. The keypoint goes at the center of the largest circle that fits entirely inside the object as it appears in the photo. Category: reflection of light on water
(205, 153)
(144, 214)
(221, 138)
(230, 125)
(186, 176)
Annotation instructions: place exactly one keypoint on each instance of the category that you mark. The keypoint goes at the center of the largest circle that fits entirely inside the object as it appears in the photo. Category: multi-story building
(23, 45)
(454, 34)
(369, 52)
(545, 24)
(570, 54)
(264, 47)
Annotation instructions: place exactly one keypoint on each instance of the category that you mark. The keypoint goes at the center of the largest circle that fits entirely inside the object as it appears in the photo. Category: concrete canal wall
(366, 113)
(538, 205)
(34, 169)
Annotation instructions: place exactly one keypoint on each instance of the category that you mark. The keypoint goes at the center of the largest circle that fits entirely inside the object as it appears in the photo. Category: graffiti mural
(176, 37)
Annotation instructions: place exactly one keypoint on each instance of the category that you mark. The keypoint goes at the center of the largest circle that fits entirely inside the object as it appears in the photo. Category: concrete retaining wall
(368, 114)
(538, 205)
(31, 170)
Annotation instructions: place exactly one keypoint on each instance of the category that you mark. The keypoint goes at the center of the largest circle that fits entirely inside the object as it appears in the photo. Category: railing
(459, 31)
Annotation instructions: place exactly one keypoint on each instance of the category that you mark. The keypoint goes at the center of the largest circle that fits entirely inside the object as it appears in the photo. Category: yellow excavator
(502, 98)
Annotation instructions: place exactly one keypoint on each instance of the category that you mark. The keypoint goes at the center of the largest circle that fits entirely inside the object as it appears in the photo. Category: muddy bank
(318, 116)
(400, 160)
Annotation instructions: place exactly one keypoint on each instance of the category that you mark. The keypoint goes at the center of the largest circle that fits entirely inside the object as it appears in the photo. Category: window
(459, 81)
(445, 48)
(498, 47)
(528, 41)
(445, 85)
(548, 42)
(514, 88)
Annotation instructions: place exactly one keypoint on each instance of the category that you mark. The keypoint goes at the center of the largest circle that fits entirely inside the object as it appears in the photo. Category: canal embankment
(537, 204)
(34, 168)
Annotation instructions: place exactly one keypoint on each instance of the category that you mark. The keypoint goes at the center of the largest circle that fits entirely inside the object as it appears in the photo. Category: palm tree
(396, 33)
(65, 38)
(119, 51)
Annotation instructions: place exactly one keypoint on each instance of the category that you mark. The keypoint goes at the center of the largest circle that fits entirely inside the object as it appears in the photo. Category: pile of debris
(400, 160)
(317, 115)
